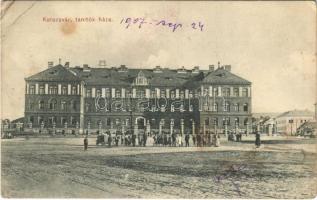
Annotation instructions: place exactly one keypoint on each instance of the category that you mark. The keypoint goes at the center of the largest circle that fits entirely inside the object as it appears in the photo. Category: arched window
(63, 105)
(53, 104)
(245, 107)
(190, 94)
(64, 90)
(41, 104)
(226, 107)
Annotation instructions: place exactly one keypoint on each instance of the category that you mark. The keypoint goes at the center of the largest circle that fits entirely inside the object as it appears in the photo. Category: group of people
(165, 139)
(235, 136)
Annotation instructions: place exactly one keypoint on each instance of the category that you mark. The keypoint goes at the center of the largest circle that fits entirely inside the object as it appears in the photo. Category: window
(117, 121)
(190, 94)
(245, 107)
(163, 93)
(226, 121)
(173, 94)
(73, 105)
(153, 94)
(226, 92)
(53, 104)
(140, 94)
(245, 121)
(31, 105)
(88, 93)
(73, 120)
(63, 105)
(41, 105)
(87, 107)
(215, 107)
(108, 121)
(32, 89)
(118, 93)
(74, 90)
(42, 90)
(236, 92)
(107, 92)
(40, 120)
(64, 90)
(98, 93)
(63, 120)
(216, 121)
(207, 122)
(236, 121)
(128, 93)
(52, 90)
(245, 92)
(182, 95)
(226, 107)
(31, 119)
(172, 108)
(236, 107)
(216, 92)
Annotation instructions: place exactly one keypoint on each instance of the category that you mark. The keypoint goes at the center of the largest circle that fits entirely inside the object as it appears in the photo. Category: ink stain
(68, 28)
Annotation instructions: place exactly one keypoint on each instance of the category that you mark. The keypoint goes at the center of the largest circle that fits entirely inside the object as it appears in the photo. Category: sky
(272, 44)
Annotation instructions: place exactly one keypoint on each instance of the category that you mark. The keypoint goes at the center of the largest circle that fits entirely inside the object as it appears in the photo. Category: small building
(307, 128)
(288, 122)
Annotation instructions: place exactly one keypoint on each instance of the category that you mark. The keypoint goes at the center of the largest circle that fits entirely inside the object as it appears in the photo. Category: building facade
(288, 122)
(137, 100)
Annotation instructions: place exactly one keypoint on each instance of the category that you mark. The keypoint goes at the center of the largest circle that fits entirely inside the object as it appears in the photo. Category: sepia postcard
(158, 99)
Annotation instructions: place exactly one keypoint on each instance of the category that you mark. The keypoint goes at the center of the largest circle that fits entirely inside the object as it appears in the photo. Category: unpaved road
(58, 167)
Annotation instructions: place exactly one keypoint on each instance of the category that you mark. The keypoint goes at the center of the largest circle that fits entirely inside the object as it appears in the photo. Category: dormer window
(141, 79)
(181, 70)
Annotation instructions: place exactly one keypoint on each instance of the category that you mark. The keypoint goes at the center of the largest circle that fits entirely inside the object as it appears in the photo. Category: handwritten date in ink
(173, 26)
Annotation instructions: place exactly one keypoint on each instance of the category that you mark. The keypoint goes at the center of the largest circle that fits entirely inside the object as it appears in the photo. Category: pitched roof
(124, 76)
(222, 76)
(297, 113)
(56, 73)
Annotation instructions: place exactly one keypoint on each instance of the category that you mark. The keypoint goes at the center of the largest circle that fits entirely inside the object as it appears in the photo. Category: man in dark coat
(187, 140)
(144, 139)
(257, 139)
(133, 139)
(85, 143)
(109, 140)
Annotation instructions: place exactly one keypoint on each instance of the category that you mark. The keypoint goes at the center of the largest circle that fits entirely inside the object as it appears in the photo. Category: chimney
(218, 64)
(50, 64)
(228, 68)
(66, 65)
(211, 68)
(86, 68)
(102, 63)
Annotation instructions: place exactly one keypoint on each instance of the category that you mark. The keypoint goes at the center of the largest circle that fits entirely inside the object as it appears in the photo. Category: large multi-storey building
(124, 99)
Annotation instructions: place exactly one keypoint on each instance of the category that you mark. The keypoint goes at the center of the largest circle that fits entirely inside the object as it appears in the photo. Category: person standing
(257, 139)
(109, 140)
(217, 140)
(144, 139)
(187, 140)
(85, 143)
(194, 139)
(133, 139)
